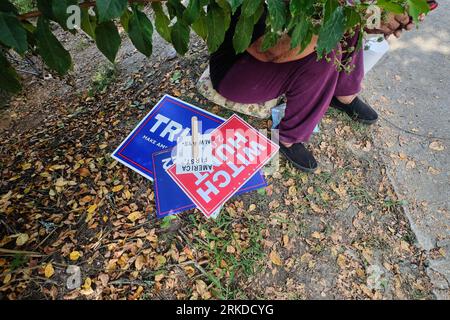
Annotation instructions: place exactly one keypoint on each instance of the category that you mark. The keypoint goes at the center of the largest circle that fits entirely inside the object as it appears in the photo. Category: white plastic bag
(278, 114)
(374, 50)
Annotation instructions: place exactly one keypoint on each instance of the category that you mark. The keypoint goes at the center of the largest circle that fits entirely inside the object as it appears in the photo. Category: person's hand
(395, 24)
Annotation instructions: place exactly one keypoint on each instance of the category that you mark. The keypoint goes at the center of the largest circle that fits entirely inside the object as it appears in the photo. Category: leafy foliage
(210, 19)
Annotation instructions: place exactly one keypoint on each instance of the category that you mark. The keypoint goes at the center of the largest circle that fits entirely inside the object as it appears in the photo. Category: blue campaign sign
(169, 197)
(159, 130)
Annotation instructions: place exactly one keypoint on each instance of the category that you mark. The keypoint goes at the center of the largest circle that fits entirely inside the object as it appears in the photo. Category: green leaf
(262, 191)
(331, 32)
(249, 7)
(225, 5)
(30, 30)
(125, 20)
(216, 22)
(108, 39)
(88, 22)
(352, 16)
(269, 41)
(277, 14)
(141, 32)
(12, 34)
(9, 80)
(301, 6)
(300, 33)
(6, 6)
(391, 6)
(110, 9)
(175, 8)
(45, 7)
(51, 50)
(192, 11)
(416, 8)
(59, 9)
(162, 22)
(243, 33)
(180, 37)
(200, 26)
(329, 8)
(167, 221)
(234, 4)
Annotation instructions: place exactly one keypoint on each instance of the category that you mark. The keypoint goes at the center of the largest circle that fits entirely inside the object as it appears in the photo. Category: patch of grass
(409, 237)
(361, 195)
(419, 294)
(376, 243)
(317, 197)
(18, 261)
(225, 267)
(392, 205)
(303, 229)
(81, 45)
(357, 127)
(317, 249)
(24, 6)
(102, 79)
(324, 177)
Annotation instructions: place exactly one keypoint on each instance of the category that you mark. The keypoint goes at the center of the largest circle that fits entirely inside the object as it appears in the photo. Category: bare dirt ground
(340, 233)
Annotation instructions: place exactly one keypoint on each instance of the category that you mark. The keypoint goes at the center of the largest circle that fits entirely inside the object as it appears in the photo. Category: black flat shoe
(300, 157)
(358, 110)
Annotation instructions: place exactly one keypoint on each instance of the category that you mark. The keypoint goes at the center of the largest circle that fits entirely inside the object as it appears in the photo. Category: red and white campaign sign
(239, 151)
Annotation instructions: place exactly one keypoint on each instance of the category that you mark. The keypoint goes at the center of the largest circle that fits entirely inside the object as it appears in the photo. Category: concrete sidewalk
(410, 88)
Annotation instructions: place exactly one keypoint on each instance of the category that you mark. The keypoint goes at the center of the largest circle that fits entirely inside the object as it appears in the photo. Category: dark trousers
(308, 84)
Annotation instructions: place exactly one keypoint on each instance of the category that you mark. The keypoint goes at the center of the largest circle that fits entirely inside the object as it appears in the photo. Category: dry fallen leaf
(90, 212)
(74, 255)
(84, 172)
(87, 283)
(202, 289)
(117, 188)
(231, 249)
(139, 263)
(26, 166)
(285, 240)
(22, 238)
(104, 278)
(367, 254)
(275, 258)
(87, 287)
(159, 277)
(92, 208)
(436, 146)
(342, 261)
(410, 165)
(433, 171)
(316, 208)
(161, 260)
(292, 191)
(7, 278)
(49, 271)
(189, 270)
(317, 235)
(127, 194)
(134, 216)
